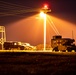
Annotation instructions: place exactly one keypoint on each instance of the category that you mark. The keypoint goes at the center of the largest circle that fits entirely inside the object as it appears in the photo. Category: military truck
(62, 44)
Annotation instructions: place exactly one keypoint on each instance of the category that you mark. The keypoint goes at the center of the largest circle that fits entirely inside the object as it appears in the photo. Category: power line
(53, 26)
(18, 12)
(11, 4)
(9, 9)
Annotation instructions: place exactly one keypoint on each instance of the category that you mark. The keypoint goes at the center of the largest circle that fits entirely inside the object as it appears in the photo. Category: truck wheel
(69, 50)
(55, 49)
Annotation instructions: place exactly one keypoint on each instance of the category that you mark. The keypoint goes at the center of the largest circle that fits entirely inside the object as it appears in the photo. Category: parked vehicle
(62, 44)
(13, 45)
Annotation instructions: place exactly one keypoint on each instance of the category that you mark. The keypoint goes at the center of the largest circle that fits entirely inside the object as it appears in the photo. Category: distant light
(15, 43)
(27, 44)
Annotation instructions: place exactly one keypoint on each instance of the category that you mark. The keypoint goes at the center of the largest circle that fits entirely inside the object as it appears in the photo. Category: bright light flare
(42, 14)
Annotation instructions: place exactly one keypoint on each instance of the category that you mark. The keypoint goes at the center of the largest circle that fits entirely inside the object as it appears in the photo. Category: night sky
(23, 25)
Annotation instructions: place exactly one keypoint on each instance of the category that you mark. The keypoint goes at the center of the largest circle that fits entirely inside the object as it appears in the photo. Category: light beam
(42, 14)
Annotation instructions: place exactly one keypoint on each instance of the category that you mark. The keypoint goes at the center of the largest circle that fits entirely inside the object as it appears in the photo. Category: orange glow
(51, 23)
(65, 28)
(31, 30)
(28, 30)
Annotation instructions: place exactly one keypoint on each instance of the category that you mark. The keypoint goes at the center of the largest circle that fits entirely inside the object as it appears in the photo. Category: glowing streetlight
(43, 14)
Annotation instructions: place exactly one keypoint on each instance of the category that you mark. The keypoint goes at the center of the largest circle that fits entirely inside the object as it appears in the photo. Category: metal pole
(44, 32)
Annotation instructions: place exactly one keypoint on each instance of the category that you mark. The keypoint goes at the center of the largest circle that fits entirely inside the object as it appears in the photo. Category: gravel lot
(25, 63)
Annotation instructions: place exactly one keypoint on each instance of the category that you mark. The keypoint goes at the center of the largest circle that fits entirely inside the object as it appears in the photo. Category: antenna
(72, 35)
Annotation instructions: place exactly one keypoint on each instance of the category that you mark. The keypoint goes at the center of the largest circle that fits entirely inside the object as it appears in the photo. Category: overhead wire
(14, 4)
(53, 25)
(10, 8)
(13, 9)
(15, 13)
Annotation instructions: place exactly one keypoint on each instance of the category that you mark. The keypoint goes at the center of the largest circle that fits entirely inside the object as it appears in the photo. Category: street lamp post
(44, 32)
(43, 14)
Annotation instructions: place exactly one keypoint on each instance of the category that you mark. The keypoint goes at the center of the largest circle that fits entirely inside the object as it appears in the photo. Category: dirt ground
(37, 64)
